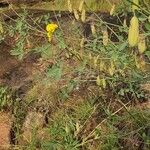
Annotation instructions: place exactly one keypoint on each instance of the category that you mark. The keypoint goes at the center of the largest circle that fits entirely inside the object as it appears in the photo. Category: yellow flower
(49, 35)
(51, 27)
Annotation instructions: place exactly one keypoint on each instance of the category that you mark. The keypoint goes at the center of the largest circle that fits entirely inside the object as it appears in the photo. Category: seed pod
(105, 37)
(1, 28)
(67, 55)
(133, 34)
(103, 83)
(90, 56)
(111, 69)
(102, 66)
(82, 42)
(135, 5)
(83, 15)
(125, 23)
(98, 81)
(76, 15)
(112, 9)
(141, 44)
(96, 61)
(81, 5)
(140, 62)
(67, 129)
(93, 30)
(77, 127)
(69, 6)
(137, 62)
(73, 22)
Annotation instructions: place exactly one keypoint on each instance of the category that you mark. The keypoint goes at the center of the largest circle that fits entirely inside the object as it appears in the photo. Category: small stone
(33, 123)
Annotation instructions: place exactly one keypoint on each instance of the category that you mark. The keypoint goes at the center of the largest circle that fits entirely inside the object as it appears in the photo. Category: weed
(20, 31)
(5, 98)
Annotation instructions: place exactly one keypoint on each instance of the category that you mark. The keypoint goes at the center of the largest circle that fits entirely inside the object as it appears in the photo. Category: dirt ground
(5, 126)
(19, 75)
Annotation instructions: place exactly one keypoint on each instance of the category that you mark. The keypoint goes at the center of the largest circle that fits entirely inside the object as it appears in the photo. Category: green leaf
(123, 46)
(147, 26)
(55, 72)
(45, 50)
(147, 53)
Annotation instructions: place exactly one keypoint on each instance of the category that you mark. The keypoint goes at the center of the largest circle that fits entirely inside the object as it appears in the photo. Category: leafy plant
(61, 132)
(5, 100)
(20, 30)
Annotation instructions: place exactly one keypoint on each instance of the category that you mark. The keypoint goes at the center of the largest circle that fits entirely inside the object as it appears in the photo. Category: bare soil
(5, 126)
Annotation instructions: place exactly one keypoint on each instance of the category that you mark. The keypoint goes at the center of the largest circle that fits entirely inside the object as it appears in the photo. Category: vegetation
(89, 84)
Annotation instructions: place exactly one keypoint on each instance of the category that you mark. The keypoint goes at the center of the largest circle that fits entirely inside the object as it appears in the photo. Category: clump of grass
(5, 98)
(135, 133)
(65, 123)
(43, 97)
